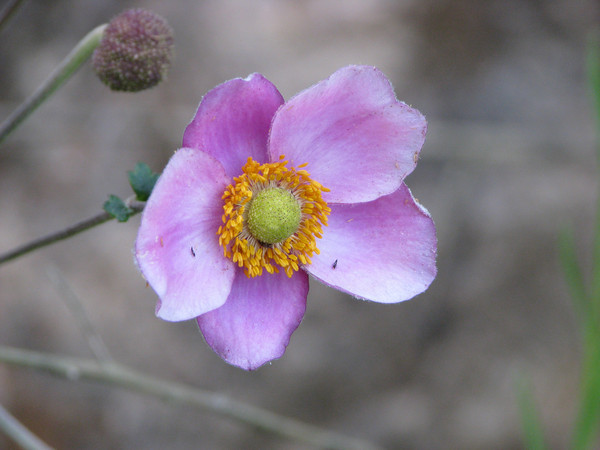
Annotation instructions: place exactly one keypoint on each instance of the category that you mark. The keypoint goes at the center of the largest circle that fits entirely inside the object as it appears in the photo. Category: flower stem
(68, 66)
(98, 219)
(19, 433)
(8, 11)
(120, 375)
(586, 427)
(75, 306)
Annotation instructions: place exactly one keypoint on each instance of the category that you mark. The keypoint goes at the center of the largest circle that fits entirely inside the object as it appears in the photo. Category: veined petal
(255, 324)
(382, 250)
(177, 248)
(233, 120)
(357, 138)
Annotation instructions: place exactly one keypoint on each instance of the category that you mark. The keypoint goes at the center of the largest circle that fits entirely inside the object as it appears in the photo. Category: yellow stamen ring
(243, 248)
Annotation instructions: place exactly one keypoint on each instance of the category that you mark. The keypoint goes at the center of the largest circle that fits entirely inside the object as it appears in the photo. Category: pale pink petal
(357, 138)
(177, 248)
(255, 324)
(382, 250)
(232, 122)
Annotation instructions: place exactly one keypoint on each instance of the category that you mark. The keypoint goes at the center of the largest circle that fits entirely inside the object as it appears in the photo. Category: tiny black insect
(193, 252)
(334, 265)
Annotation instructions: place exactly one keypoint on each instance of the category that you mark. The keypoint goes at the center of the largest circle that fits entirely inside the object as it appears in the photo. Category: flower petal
(382, 250)
(233, 120)
(255, 324)
(358, 140)
(177, 248)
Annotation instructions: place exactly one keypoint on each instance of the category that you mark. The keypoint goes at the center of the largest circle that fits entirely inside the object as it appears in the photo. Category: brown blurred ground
(509, 162)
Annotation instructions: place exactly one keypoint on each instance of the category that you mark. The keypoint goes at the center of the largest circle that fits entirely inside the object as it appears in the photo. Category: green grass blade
(530, 421)
(573, 273)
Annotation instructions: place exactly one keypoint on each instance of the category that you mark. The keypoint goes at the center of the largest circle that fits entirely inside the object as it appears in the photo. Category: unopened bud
(135, 51)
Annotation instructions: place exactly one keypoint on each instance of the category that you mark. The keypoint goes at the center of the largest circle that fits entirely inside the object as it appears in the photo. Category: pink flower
(265, 192)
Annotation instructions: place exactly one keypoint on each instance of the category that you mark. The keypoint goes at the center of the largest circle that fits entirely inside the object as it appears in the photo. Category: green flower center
(273, 215)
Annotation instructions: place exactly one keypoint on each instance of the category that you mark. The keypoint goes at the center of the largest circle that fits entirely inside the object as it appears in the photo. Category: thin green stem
(573, 273)
(68, 66)
(530, 417)
(9, 11)
(593, 73)
(19, 433)
(75, 306)
(79, 227)
(122, 376)
(586, 424)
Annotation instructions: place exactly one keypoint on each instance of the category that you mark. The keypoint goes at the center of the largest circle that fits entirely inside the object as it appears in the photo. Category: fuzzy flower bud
(135, 52)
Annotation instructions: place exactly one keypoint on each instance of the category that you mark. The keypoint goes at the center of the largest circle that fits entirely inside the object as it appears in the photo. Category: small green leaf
(117, 208)
(142, 181)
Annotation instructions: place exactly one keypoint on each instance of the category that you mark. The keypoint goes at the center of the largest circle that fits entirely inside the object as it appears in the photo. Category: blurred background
(508, 163)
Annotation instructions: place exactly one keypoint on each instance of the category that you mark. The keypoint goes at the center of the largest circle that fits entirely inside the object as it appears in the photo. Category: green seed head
(273, 215)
